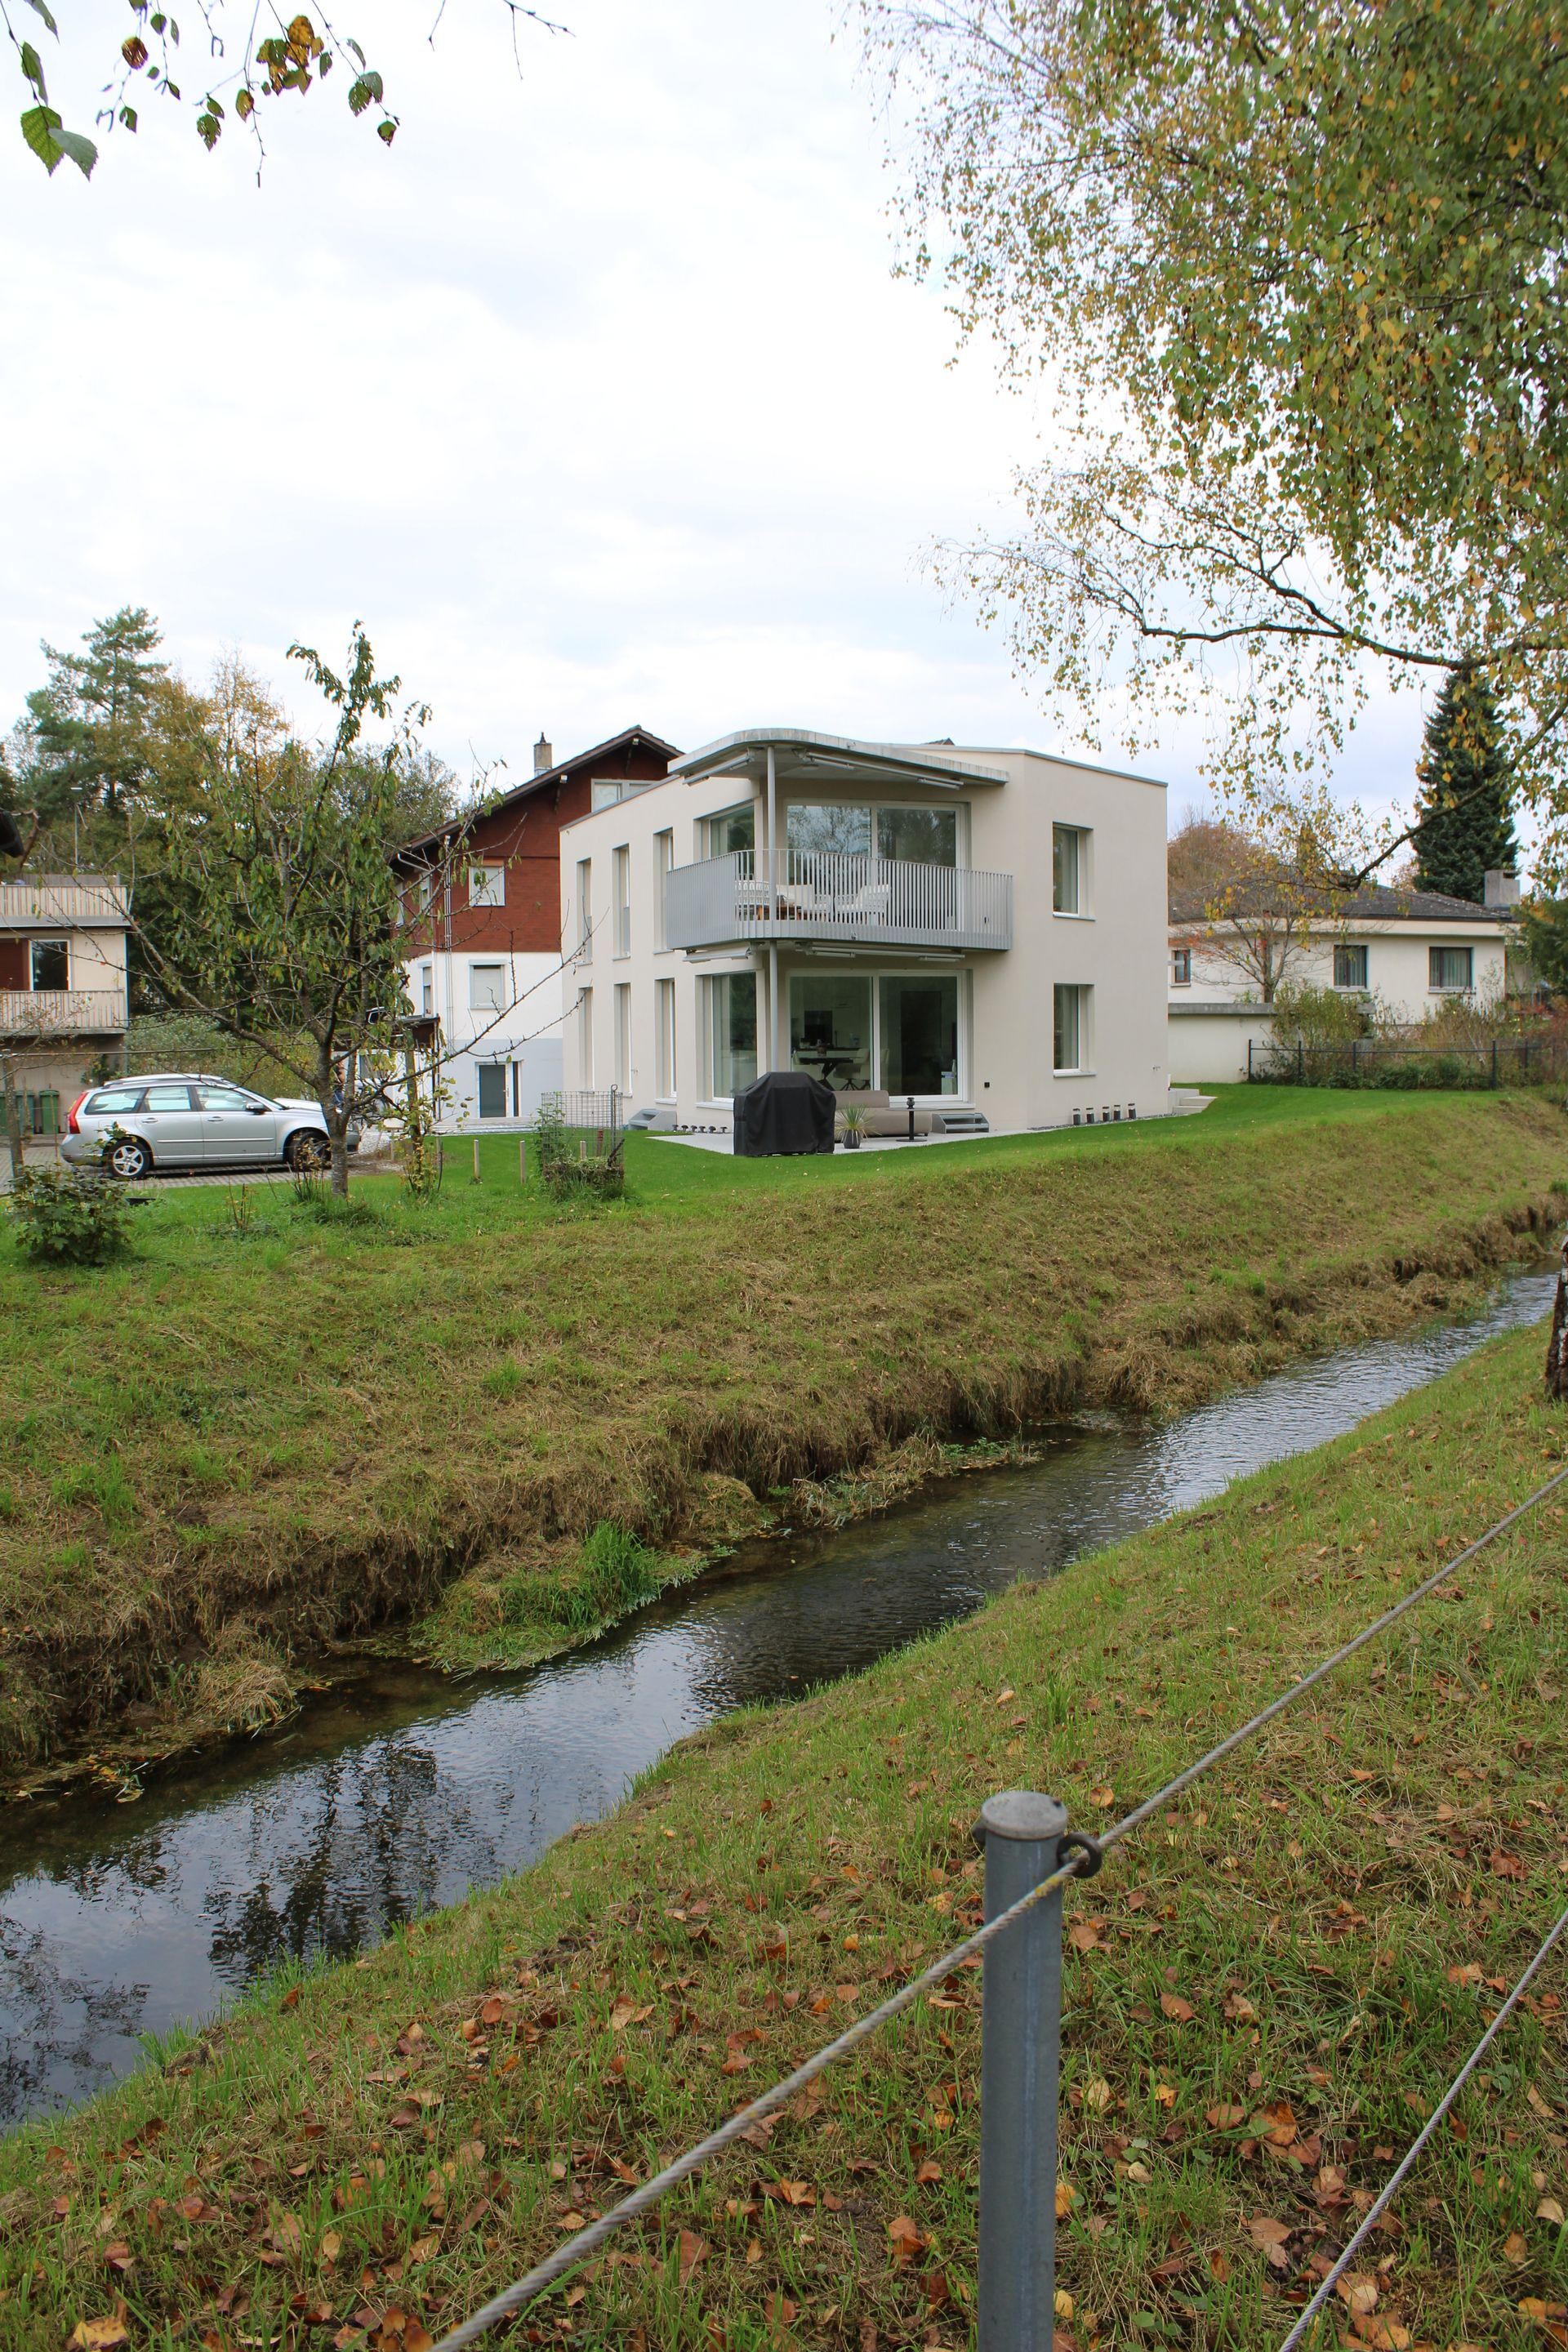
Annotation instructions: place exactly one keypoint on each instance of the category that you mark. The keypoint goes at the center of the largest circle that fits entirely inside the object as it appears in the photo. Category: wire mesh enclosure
(582, 1143)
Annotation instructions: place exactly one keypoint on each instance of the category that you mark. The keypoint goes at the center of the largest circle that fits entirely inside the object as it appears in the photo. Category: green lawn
(277, 1425)
(1266, 1990)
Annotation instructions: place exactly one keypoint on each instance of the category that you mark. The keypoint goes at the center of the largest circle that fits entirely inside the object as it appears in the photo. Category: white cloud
(595, 396)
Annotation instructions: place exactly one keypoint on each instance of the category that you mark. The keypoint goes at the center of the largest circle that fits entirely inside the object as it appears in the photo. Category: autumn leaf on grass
(1270, 2238)
(629, 2012)
(1382, 2335)
(692, 2249)
(1505, 1865)
(793, 2192)
(1066, 2197)
(1084, 1935)
(1549, 2209)
(1358, 2292)
(1104, 1796)
(737, 2051)
(102, 2335)
(1177, 2009)
(907, 2240)
(1096, 2095)
(1225, 2118)
(1514, 2247)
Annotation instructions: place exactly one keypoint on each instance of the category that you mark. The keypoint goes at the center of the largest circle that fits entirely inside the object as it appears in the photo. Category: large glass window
(1349, 967)
(920, 1034)
(732, 996)
(734, 829)
(927, 835)
(1070, 1028)
(1451, 968)
(838, 828)
(830, 1027)
(1066, 869)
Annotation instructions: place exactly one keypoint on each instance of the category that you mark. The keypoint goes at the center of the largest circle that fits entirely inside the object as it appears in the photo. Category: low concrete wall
(1208, 1043)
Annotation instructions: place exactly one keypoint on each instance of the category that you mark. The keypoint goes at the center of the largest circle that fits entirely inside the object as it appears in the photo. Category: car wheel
(306, 1153)
(128, 1160)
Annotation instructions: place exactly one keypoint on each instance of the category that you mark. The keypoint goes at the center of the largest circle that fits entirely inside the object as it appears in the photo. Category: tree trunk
(340, 1155)
(335, 1111)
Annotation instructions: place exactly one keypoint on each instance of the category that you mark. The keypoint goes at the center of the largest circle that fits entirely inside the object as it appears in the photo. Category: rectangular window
(830, 1027)
(663, 866)
(426, 891)
(585, 1037)
(1349, 967)
(623, 1038)
(1180, 966)
(50, 963)
(663, 1011)
(920, 1034)
(492, 1089)
(1451, 968)
(732, 1001)
(427, 989)
(623, 882)
(585, 909)
(1068, 877)
(604, 795)
(1070, 1006)
(834, 828)
(487, 987)
(733, 829)
(486, 886)
(928, 836)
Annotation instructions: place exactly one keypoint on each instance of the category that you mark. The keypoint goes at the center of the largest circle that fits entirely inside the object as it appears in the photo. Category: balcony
(41, 1016)
(63, 902)
(804, 898)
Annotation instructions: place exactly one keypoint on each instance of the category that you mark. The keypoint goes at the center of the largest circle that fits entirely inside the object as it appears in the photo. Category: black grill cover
(788, 1110)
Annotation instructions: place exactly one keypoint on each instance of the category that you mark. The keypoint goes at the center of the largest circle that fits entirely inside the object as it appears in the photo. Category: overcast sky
(595, 396)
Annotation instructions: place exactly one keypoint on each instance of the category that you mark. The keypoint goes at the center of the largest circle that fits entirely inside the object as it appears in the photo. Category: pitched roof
(627, 740)
(1372, 904)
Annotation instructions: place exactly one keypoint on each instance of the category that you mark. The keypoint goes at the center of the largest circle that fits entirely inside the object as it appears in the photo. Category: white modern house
(1411, 951)
(980, 929)
(63, 1006)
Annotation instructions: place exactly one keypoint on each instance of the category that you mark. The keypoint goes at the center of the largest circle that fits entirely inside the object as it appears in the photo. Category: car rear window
(116, 1098)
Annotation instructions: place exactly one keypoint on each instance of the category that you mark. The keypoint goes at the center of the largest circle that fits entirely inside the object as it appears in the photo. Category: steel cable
(586, 2241)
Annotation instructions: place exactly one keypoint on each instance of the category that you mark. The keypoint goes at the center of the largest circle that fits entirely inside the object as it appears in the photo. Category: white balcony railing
(60, 902)
(43, 1014)
(835, 895)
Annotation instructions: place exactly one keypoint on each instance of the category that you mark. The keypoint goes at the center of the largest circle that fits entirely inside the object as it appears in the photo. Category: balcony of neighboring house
(824, 896)
(64, 902)
(39, 1015)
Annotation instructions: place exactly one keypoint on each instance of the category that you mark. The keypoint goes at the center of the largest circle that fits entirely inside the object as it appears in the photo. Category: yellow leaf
(1066, 2197)
(1064, 2303)
(102, 2335)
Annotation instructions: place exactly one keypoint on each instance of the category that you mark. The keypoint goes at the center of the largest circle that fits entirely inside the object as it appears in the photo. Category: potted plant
(853, 1119)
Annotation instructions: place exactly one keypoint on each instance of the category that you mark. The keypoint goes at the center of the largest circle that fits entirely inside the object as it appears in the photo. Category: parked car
(184, 1119)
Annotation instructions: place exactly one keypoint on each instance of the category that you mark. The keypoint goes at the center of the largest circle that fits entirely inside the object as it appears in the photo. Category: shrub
(68, 1216)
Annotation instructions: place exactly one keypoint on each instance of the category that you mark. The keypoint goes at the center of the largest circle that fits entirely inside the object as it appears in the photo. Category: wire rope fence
(1032, 1854)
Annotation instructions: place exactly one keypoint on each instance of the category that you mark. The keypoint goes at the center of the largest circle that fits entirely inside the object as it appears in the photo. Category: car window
(168, 1098)
(118, 1098)
(225, 1099)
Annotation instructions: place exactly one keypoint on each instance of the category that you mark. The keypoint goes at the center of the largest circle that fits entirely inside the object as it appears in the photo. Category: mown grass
(284, 1429)
(1264, 1990)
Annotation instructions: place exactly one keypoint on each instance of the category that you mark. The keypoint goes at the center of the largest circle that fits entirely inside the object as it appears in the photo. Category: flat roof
(801, 749)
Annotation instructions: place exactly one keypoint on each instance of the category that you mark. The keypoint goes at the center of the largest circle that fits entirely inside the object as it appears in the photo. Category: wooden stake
(475, 1159)
(522, 1159)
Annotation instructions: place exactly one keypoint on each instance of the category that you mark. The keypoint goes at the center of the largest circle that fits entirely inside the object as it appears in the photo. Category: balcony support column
(774, 1061)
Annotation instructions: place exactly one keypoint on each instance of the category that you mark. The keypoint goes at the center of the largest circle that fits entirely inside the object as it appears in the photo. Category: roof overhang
(803, 757)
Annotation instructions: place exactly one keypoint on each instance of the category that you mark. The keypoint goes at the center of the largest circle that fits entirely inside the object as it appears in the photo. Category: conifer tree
(1465, 808)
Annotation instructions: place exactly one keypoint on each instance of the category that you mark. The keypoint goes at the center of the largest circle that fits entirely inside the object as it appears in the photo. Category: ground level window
(1451, 967)
(830, 1026)
(1071, 1007)
(664, 1021)
(732, 997)
(1349, 967)
(492, 1089)
(920, 1034)
(1180, 966)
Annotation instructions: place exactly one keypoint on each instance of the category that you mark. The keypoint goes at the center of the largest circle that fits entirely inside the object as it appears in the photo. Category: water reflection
(407, 1789)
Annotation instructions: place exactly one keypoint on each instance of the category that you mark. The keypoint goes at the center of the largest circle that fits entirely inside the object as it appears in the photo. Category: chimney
(1500, 889)
(543, 756)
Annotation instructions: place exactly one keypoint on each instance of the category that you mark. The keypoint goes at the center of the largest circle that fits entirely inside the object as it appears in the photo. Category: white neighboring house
(1413, 951)
(978, 928)
(63, 1005)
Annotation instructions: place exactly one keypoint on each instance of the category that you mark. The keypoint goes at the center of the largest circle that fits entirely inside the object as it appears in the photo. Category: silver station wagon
(184, 1119)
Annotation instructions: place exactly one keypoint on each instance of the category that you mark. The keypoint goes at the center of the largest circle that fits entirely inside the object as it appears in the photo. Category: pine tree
(1465, 809)
(91, 724)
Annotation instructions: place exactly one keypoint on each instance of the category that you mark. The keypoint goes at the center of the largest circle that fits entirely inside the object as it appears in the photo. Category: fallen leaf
(1139, 2174)
(1224, 2118)
(417, 2336)
(331, 2245)
(692, 2250)
(102, 2335)
(795, 2192)
(1219, 2267)
(629, 2012)
(1066, 2197)
(1383, 2334)
(1549, 2209)
(1096, 2095)
(1176, 2008)
(1357, 2291)
(1514, 2248)
(907, 2237)
(1064, 2303)
(1084, 1935)
(572, 2221)
(1104, 1797)
(1269, 2237)
(1166, 2093)
(930, 2170)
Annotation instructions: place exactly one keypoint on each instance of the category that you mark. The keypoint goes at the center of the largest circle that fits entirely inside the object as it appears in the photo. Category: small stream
(404, 1788)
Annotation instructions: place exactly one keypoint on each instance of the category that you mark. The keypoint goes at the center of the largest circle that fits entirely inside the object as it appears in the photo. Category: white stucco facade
(500, 1030)
(982, 928)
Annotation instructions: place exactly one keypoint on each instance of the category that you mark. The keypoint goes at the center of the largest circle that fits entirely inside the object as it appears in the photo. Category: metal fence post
(1019, 2067)
(1300, 1062)
(1494, 1066)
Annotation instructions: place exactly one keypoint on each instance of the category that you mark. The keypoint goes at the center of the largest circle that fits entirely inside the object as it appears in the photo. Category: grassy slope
(400, 2135)
(234, 1444)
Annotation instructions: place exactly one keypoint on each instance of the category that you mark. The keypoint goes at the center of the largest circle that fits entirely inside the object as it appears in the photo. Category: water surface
(402, 1789)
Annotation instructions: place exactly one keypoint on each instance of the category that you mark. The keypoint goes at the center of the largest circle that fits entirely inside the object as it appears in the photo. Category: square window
(486, 886)
(1451, 968)
(50, 963)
